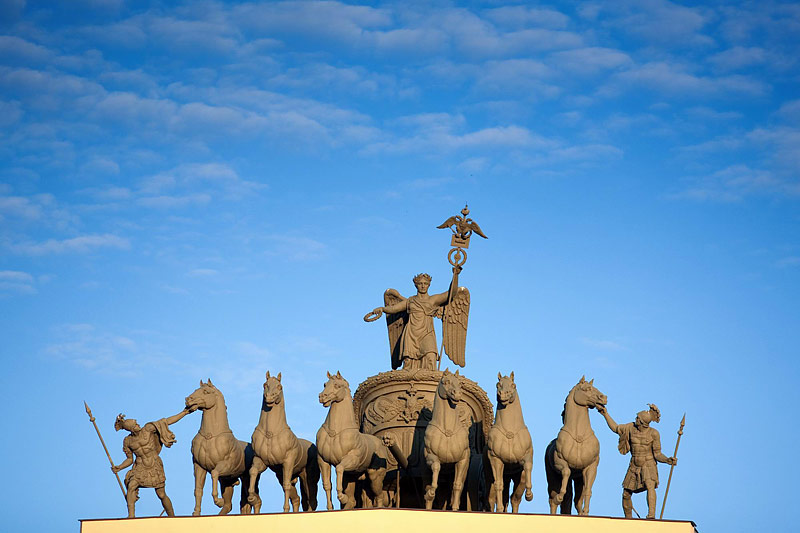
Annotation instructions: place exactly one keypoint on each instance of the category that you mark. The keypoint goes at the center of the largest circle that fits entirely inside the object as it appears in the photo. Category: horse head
(450, 387)
(586, 395)
(506, 389)
(336, 388)
(204, 397)
(273, 390)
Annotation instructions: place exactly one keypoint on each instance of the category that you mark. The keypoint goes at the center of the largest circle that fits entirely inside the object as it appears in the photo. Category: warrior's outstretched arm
(174, 418)
(613, 426)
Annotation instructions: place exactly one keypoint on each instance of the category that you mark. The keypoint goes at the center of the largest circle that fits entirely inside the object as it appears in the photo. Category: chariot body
(399, 404)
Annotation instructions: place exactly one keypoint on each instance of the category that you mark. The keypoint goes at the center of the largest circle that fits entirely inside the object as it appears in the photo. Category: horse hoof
(195, 513)
(529, 495)
(219, 502)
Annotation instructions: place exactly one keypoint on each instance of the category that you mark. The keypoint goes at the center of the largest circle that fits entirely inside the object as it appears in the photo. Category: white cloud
(658, 21)
(202, 272)
(790, 111)
(738, 58)
(193, 184)
(83, 244)
(732, 184)
(16, 281)
(522, 16)
(789, 262)
(603, 344)
(674, 78)
(165, 201)
(14, 50)
(294, 248)
(107, 353)
(19, 206)
(590, 60)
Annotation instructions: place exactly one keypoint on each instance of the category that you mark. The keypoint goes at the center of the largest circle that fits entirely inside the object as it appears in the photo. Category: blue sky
(217, 189)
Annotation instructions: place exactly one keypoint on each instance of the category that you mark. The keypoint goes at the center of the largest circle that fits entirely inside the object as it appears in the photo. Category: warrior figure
(644, 445)
(144, 443)
(410, 321)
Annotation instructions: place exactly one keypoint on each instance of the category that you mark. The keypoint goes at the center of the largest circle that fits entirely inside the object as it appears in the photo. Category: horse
(446, 439)
(216, 451)
(277, 447)
(340, 443)
(575, 453)
(510, 450)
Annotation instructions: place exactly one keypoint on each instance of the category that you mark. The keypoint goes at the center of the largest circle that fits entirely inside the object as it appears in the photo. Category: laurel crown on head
(420, 277)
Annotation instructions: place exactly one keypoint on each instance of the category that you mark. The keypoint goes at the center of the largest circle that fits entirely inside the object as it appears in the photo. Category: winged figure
(412, 339)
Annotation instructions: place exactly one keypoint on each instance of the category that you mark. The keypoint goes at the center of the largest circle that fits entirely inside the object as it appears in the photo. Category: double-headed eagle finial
(462, 228)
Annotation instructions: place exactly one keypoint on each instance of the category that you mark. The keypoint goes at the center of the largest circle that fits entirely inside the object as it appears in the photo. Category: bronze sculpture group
(413, 437)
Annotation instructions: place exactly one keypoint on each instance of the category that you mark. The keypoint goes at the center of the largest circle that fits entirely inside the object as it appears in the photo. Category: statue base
(387, 521)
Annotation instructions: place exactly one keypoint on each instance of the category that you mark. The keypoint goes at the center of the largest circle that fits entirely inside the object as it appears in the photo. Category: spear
(672, 467)
(91, 419)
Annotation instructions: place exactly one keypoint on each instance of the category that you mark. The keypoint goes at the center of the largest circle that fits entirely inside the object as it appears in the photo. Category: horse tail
(309, 487)
(552, 474)
(249, 455)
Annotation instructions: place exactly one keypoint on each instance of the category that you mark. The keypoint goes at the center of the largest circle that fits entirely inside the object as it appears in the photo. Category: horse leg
(562, 466)
(294, 497)
(577, 483)
(219, 502)
(458, 481)
(245, 507)
(376, 478)
(348, 463)
(227, 498)
(255, 470)
(325, 473)
(589, 473)
(430, 490)
(288, 467)
(350, 487)
(527, 470)
(199, 481)
(497, 487)
(303, 477)
(519, 490)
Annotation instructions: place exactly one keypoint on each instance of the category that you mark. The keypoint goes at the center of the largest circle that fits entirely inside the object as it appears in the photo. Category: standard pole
(110, 460)
(672, 467)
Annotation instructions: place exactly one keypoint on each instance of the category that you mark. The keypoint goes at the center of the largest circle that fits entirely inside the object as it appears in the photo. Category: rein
(210, 436)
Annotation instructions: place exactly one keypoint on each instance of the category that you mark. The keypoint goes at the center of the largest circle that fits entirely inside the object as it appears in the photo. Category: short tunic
(643, 444)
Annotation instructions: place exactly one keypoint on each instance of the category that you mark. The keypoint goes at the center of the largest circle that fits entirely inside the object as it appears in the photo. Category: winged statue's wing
(454, 326)
(395, 323)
